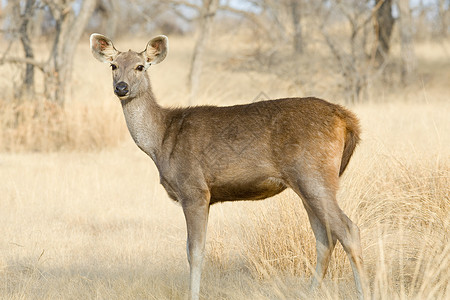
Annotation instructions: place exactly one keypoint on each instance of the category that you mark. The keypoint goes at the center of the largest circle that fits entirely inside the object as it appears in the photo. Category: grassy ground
(80, 224)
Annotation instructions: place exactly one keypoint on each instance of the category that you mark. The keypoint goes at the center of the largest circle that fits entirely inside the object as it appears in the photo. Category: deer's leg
(196, 221)
(320, 201)
(325, 243)
(351, 241)
(348, 235)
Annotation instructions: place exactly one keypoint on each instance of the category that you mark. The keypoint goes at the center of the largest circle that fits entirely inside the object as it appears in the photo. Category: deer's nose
(121, 89)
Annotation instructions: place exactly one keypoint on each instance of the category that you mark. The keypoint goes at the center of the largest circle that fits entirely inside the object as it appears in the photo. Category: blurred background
(225, 51)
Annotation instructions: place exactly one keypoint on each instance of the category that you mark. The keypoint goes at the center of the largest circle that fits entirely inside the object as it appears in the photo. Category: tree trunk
(28, 82)
(69, 28)
(407, 45)
(208, 11)
(109, 12)
(296, 19)
(443, 12)
(383, 29)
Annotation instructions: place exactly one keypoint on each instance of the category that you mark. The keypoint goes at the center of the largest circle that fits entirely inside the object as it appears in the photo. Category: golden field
(90, 221)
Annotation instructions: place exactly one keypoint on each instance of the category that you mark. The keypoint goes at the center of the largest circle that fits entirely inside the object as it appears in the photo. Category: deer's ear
(102, 48)
(156, 50)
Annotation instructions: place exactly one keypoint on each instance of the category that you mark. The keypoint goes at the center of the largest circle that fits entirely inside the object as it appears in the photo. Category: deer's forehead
(129, 58)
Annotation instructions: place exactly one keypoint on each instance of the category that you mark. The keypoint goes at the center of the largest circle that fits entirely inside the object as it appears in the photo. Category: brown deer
(210, 154)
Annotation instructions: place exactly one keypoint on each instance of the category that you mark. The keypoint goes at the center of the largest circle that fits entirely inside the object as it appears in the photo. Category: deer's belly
(246, 190)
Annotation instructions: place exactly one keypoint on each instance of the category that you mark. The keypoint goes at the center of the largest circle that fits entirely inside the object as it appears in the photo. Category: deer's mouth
(123, 98)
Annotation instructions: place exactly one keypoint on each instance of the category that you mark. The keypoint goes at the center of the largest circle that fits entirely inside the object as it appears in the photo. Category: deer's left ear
(156, 50)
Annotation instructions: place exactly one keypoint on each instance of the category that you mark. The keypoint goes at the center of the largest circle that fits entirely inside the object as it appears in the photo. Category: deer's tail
(351, 139)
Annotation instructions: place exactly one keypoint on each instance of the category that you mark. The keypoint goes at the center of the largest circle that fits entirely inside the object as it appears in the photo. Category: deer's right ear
(102, 48)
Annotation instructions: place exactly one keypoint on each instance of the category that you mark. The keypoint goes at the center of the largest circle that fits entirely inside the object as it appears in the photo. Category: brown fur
(351, 140)
(246, 144)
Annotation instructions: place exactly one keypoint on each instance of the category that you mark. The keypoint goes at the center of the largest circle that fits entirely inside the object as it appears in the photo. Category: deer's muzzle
(121, 89)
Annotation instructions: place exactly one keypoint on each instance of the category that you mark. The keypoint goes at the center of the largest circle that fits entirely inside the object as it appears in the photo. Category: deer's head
(129, 68)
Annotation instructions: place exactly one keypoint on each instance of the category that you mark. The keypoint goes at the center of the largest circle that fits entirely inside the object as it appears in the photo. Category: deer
(210, 154)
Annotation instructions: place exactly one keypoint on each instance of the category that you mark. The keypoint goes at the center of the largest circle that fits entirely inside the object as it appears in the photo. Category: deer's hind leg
(325, 243)
(329, 224)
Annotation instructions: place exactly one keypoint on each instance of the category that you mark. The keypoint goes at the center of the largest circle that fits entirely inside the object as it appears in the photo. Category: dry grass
(45, 126)
(97, 225)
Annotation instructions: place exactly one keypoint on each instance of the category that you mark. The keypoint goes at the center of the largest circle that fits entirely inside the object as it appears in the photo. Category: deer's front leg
(196, 215)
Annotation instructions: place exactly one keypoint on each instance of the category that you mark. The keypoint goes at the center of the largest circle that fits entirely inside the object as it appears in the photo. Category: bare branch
(252, 17)
(352, 19)
(23, 60)
(7, 50)
(235, 10)
(185, 3)
(181, 15)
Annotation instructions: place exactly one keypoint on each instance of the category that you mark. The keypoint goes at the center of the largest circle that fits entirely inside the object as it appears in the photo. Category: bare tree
(443, 17)
(57, 68)
(384, 23)
(208, 10)
(28, 83)
(19, 14)
(284, 21)
(408, 65)
(296, 21)
(69, 27)
(108, 11)
(350, 53)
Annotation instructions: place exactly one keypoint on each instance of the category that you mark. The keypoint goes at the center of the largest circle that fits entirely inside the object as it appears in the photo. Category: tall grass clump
(45, 126)
(279, 239)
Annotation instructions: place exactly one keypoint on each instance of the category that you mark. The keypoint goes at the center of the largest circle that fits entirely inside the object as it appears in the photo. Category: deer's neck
(145, 120)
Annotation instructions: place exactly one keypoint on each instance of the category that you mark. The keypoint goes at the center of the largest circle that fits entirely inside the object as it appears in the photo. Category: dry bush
(46, 126)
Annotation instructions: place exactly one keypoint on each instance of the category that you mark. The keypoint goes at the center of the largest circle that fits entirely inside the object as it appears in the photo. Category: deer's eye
(113, 67)
(140, 68)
